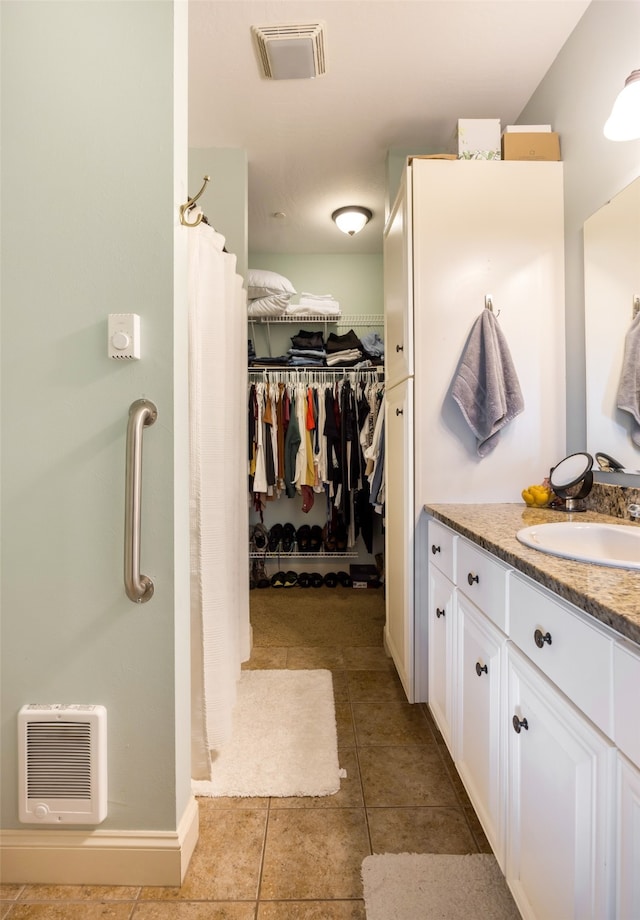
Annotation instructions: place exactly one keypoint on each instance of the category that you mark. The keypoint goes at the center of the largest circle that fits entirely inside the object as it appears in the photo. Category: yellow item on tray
(537, 496)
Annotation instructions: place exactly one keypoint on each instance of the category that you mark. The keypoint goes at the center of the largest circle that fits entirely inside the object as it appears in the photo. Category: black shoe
(304, 538)
(277, 580)
(345, 579)
(317, 580)
(304, 580)
(275, 535)
(288, 538)
(290, 579)
(331, 579)
(315, 539)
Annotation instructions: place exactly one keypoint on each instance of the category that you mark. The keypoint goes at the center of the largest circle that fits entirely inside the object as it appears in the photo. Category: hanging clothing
(319, 437)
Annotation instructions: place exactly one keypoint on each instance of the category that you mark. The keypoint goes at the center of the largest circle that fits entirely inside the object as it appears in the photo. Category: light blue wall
(88, 214)
(576, 98)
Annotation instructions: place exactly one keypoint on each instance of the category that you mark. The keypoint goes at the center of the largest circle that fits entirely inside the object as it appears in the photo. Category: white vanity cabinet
(626, 733)
(538, 704)
(479, 744)
(441, 632)
(560, 802)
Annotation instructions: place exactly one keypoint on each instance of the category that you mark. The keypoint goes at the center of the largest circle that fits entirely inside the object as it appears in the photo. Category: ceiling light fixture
(624, 122)
(352, 219)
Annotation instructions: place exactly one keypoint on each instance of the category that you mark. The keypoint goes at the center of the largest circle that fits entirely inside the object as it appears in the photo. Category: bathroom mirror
(612, 282)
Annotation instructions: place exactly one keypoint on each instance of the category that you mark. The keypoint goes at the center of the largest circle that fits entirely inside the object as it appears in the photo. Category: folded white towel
(321, 303)
(485, 385)
(317, 309)
(629, 386)
(316, 296)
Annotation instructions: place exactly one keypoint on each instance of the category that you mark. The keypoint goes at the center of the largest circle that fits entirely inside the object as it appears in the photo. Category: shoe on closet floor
(290, 579)
(345, 579)
(277, 580)
(260, 574)
(331, 580)
(304, 580)
(317, 581)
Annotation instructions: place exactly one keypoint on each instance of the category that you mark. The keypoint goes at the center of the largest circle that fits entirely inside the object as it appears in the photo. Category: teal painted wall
(93, 95)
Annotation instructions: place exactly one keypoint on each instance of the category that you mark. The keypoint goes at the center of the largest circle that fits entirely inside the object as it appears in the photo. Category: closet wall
(355, 281)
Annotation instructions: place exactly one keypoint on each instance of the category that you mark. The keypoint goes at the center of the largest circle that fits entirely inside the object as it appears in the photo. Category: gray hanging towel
(485, 385)
(629, 386)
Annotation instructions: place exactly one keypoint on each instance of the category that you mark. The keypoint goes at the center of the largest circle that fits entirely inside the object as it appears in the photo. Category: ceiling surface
(399, 73)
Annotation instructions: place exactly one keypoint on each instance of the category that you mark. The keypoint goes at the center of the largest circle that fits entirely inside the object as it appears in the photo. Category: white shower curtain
(220, 629)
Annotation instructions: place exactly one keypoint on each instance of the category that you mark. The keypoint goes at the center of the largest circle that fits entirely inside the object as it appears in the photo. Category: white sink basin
(602, 544)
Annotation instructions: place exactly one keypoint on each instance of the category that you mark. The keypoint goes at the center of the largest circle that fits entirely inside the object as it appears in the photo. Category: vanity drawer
(626, 687)
(482, 579)
(442, 542)
(575, 655)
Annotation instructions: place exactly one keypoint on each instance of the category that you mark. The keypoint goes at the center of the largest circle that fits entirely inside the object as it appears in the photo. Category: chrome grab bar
(139, 588)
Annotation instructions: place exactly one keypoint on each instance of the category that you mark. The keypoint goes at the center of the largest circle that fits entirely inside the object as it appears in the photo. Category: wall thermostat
(124, 335)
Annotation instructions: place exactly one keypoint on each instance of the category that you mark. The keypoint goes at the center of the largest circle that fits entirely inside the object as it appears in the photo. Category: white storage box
(478, 139)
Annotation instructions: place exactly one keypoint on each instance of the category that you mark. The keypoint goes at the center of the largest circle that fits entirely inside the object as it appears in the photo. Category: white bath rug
(407, 886)
(284, 740)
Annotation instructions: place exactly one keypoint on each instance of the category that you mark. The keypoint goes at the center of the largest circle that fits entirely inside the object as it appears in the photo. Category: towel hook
(190, 203)
(488, 304)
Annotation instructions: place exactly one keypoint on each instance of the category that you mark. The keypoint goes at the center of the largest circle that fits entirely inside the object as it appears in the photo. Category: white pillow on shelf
(263, 283)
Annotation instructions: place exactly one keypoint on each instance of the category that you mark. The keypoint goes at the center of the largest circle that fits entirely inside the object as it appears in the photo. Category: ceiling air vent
(291, 52)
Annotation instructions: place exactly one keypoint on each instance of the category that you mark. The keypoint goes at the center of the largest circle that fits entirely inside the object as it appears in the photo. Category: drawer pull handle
(439, 613)
(519, 724)
(399, 412)
(435, 549)
(471, 578)
(399, 348)
(481, 668)
(539, 638)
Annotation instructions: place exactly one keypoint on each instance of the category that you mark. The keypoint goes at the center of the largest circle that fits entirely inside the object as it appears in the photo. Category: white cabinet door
(441, 653)
(561, 779)
(480, 719)
(628, 841)
(399, 534)
(398, 288)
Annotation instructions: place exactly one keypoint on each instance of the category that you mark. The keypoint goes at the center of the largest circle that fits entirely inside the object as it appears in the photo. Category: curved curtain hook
(190, 203)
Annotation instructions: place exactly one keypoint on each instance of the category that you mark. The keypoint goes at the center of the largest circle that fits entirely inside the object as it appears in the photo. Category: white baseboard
(99, 857)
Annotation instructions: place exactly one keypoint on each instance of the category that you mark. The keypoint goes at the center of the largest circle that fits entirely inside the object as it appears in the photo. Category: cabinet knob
(519, 724)
(471, 578)
(399, 412)
(399, 348)
(540, 639)
(439, 613)
(481, 668)
(435, 549)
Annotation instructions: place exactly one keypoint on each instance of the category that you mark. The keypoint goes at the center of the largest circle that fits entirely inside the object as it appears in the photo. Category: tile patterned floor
(300, 859)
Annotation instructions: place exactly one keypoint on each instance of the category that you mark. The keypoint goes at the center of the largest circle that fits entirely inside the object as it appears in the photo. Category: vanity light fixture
(624, 122)
(352, 219)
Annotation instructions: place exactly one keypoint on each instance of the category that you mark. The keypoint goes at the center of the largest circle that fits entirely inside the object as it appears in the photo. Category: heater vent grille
(291, 50)
(59, 760)
(62, 769)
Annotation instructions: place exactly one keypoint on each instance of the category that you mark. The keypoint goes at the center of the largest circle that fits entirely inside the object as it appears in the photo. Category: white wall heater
(62, 764)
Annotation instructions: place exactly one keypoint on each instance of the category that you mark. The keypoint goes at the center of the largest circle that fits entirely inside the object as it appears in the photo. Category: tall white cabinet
(460, 231)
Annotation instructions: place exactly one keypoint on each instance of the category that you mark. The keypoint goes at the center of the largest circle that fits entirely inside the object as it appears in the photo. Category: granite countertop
(611, 595)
